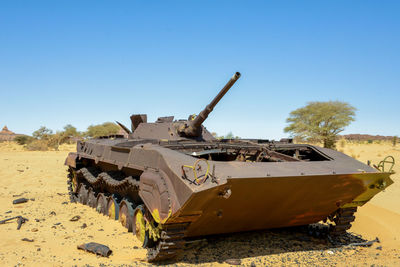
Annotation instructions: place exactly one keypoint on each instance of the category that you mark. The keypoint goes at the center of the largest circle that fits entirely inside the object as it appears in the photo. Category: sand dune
(41, 176)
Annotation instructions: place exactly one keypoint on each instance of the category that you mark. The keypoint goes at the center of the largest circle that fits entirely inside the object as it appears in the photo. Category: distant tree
(107, 128)
(320, 121)
(55, 140)
(42, 133)
(71, 131)
(229, 136)
(395, 140)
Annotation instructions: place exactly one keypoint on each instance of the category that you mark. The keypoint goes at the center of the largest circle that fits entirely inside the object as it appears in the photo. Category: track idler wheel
(83, 194)
(113, 207)
(101, 203)
(126, 213)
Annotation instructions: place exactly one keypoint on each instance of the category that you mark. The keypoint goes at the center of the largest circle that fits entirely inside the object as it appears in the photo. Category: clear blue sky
(87, 62)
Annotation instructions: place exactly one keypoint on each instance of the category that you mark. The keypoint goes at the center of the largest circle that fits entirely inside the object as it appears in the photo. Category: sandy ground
(41, 177)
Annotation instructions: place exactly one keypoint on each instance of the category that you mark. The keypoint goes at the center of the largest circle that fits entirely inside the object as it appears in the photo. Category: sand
(41, 177)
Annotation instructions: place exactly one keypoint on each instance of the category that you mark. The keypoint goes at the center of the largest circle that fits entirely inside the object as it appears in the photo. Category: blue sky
(87, 62)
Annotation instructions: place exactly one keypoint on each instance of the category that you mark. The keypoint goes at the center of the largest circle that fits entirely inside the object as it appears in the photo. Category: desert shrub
(37, 145)
(342, 143)
(369, 141)
(23, 139)
(107, 128)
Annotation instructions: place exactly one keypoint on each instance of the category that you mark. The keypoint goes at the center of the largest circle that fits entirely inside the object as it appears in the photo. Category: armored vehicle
(171, 180)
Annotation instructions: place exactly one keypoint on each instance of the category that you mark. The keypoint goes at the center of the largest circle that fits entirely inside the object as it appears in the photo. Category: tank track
(342, 219)
(170, 245)
(72, 195)
(171, 242)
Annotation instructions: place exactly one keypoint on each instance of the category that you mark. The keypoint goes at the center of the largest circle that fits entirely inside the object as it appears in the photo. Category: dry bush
(37, 145)
(342, 143)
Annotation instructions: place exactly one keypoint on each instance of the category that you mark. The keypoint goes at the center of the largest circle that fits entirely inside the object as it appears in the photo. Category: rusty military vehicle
(171, 180)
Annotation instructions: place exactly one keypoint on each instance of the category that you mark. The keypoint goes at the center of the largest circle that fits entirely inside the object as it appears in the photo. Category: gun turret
(192, 128)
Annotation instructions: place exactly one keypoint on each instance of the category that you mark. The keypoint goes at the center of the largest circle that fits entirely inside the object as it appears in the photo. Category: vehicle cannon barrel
(193, 127)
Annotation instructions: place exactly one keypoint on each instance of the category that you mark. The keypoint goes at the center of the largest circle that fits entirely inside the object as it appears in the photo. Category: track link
(343, 219)
(170, 245)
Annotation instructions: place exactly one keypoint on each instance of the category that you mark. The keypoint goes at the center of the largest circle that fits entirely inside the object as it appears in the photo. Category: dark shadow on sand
(261, 243)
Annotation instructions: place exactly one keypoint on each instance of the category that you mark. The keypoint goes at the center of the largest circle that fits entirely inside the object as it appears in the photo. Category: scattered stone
(379, 248)
(37, 220)
(57, 223)
(20, 200)
(65, 203)
(75, 218)
(101, 229)
(84, 226)
(20, 170)
(330, 252)
(34, 230)
(32, 199)
(39, 249)
(8, 211)
(96, 248)
(135, 247)
(52, 213)
(27, 239)
(233, 261)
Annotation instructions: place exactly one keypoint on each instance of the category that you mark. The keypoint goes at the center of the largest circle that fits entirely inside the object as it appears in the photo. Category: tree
(70, 131)
(320, 121)
(229, 136)
(394, 141)
(107, 128)
(42, 133)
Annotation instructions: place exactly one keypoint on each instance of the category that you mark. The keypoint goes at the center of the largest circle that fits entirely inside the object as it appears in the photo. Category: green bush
(107, 128)
(23, 139)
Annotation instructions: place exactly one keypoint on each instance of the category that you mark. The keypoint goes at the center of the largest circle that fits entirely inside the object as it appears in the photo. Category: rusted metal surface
(181, 175)
(192, 127)
(20, 200)
(20, 220)
(96, 248)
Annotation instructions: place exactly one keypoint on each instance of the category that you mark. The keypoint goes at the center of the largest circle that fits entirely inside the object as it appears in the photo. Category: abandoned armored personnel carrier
(171, 180)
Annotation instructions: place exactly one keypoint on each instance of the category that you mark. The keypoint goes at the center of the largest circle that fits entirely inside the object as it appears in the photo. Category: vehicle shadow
(219, 248)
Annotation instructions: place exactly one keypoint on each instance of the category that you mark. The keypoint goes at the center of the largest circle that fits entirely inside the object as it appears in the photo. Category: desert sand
(41, 177)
